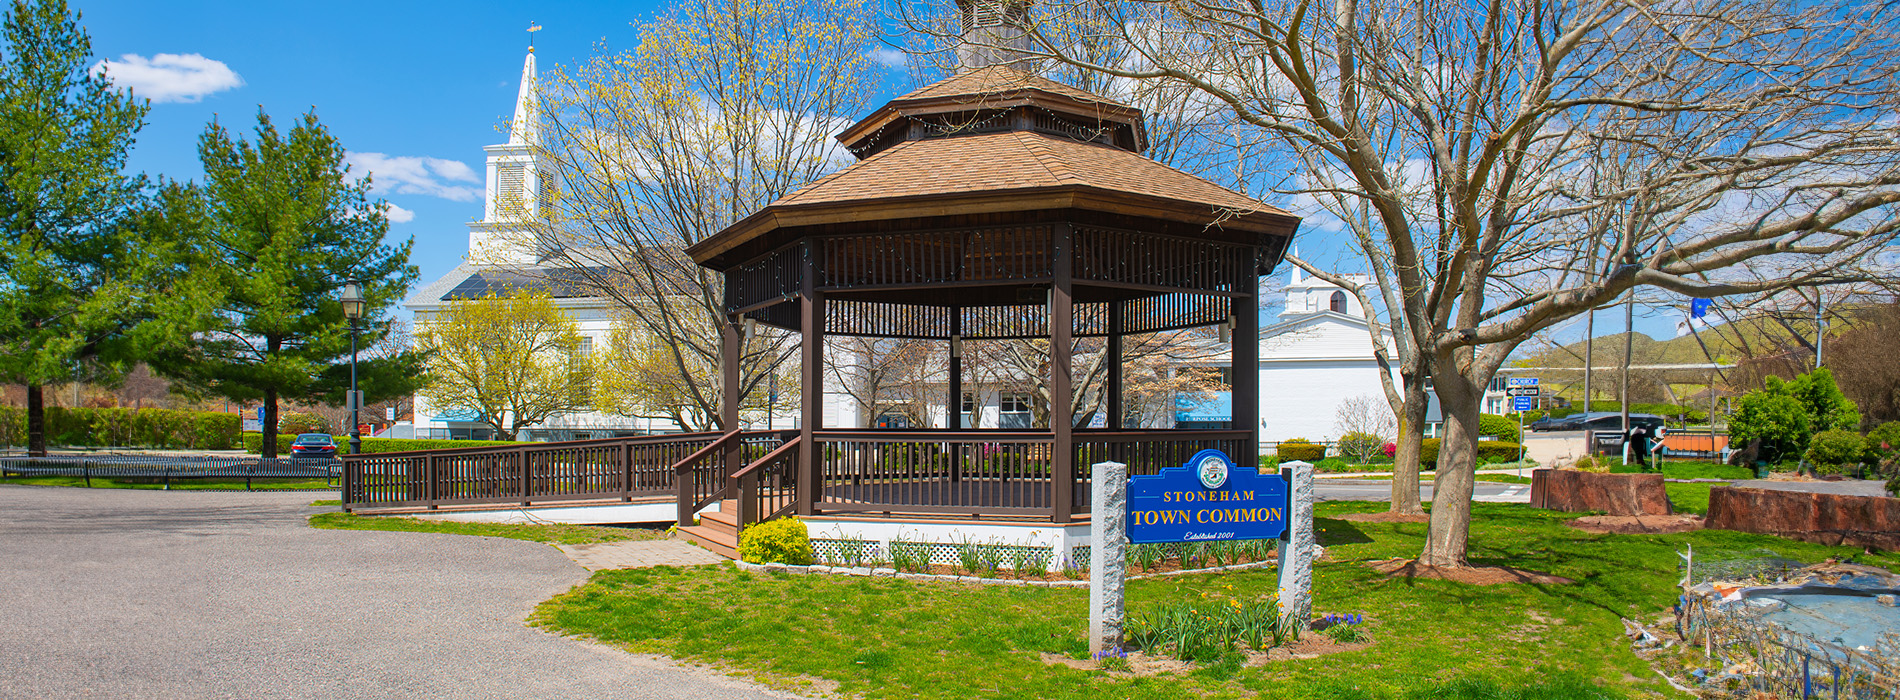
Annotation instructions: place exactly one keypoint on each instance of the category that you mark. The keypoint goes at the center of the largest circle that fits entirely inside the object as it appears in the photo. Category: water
(1852, 619)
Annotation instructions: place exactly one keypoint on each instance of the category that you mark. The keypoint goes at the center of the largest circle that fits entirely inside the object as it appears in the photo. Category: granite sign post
(1107, 563)
(1298, 544)
(1208, 499)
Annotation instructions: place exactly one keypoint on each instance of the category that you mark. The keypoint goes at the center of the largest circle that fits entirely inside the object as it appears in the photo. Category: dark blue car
(313, 446)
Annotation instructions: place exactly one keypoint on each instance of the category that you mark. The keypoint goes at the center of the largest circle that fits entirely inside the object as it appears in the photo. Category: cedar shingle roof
(1012, 160)
(1000, 80)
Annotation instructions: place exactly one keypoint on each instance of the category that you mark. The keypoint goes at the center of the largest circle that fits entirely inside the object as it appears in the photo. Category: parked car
(1548, 423)
(313, 446)
(1604, 421)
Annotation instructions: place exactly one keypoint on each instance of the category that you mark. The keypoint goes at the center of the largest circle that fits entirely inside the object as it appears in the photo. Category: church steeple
(526, 128)
(517, 189)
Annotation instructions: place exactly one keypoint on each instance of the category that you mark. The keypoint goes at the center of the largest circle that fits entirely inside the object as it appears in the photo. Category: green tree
(515, 361)
(1778, 418)
(81, 274)
(287, 225)
(1827, 407)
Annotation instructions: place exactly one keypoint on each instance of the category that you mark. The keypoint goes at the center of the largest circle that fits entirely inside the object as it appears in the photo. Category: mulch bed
(1385, 517)
(1637, 524)
(1476, 575)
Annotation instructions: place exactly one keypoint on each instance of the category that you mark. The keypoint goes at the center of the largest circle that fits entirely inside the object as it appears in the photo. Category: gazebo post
(1061, 394)
(953, 405)
(811, 366)
(1245, 354)
(1114, 359)
(730, 338)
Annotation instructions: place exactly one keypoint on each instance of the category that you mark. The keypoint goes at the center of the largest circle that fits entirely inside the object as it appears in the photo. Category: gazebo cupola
(995, 204)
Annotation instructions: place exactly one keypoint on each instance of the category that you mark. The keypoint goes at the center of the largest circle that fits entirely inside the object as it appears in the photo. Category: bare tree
(882, 374)
(1526, 162)
(725, 106)
(1367, 417)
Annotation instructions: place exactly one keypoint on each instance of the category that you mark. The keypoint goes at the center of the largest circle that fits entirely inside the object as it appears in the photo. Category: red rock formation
(1616, 494)
(1826, 518)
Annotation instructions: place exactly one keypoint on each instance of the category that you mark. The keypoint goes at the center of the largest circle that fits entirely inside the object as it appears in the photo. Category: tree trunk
(1411, 439)
(268, 450)
(1458, 400)
(35, 420)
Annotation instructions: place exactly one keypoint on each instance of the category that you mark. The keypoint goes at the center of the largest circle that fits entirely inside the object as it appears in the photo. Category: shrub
(781, 541)
(1833, 450)
(296, 423)
(127, 427)
(1300, 449)
(1498, 427)
(1333, 465)
(254, 442)
(1776, 417)
(1492, 450)
(1269, 463)
(1391, 450)
(1883, 442)
(1360, 447)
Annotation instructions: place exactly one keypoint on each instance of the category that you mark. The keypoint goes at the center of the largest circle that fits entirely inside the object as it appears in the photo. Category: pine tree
(288, 226)
(79, 274)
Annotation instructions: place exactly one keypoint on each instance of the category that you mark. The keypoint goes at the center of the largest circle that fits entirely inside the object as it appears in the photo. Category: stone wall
(1826, 518)
(1573, 491)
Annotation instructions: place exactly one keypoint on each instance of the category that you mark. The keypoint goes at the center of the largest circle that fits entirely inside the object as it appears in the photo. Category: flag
(1699, 307)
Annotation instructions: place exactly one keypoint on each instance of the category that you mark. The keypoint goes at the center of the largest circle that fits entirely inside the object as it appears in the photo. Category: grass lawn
(1689, 498)
(891, 638)
(551, 534)
(1499, 478)
(1692, 470)
(99, 482)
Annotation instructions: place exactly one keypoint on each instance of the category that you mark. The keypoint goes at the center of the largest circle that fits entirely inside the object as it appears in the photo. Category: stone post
(1108, 534)
(1296, 551)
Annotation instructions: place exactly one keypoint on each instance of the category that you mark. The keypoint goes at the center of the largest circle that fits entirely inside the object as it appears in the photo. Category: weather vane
(532, 28)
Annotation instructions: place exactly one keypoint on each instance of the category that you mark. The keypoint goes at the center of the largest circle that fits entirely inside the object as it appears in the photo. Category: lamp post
(353, 310)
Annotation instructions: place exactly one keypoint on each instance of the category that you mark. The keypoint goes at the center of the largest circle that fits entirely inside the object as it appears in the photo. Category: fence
(1755, 657)
(168, 468)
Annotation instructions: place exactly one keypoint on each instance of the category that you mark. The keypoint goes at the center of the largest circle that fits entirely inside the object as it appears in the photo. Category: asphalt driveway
(150, 594)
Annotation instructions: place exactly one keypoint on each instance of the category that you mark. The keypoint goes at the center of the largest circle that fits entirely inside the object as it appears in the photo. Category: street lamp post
(353, 310)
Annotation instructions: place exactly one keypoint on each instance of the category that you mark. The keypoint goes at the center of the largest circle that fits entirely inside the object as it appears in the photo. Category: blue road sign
(1521, 381)
(1207, 499)
(1523, 403)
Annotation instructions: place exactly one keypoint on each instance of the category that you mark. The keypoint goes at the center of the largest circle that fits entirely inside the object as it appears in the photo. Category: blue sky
(415, 88)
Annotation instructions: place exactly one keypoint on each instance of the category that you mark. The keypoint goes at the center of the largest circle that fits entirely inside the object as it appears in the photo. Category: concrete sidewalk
(115, 593)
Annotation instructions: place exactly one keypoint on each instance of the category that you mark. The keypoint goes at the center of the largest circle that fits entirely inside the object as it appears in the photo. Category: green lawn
(890, 638)
(1692, 470)
(98, 482)
(551, 534)
(1499, 478)
(1689, 498)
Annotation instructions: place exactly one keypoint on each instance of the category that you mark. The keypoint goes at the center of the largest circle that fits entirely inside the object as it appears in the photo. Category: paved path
(1368, 490)
(112, 593)
(639, 554)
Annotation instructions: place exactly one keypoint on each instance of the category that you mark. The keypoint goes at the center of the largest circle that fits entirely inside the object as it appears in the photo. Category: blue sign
(1207, 499)
(1698, 308)
(1523, 403)
(1522, 381)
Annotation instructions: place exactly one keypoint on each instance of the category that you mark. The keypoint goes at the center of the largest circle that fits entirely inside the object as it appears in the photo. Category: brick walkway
(639, 554)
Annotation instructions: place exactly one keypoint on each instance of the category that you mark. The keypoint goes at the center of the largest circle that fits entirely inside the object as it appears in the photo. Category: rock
(1615, 494)
(1824, 518)
(1887, 599)
(858, 571)
(883, 572)
(820, 569)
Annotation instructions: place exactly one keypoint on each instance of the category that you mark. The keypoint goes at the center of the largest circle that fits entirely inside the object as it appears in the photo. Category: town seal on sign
(1212, 466)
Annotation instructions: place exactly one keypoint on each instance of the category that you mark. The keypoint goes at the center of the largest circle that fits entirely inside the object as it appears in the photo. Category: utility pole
(1589, 356)
(1629, 348)
(1819, 326)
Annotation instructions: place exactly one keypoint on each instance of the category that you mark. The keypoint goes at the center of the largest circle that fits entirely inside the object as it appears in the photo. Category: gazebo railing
(1148, 451)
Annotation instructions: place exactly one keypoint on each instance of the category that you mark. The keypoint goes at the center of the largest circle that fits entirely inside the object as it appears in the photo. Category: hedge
(127, 427)
(1497, 450)
(1297, 449)
(254, 443)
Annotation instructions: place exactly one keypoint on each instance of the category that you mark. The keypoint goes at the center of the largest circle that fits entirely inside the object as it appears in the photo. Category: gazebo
(993, 205)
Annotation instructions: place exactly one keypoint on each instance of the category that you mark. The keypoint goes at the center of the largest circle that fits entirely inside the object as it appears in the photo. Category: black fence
(166, 469)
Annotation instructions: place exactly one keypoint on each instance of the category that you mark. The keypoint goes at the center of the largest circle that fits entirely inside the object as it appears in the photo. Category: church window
(1339, 302)
(510, 188)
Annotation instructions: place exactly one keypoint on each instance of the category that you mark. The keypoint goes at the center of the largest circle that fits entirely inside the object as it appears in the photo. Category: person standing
(1638, 438)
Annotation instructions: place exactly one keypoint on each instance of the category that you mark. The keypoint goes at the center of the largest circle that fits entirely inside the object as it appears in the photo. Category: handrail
(769, 457)
(686, 464)
(565, 444)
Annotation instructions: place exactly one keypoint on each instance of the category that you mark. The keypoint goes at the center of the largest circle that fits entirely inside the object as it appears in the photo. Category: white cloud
(889, 57)
(170, 77)
(432, 177)
(398, 215)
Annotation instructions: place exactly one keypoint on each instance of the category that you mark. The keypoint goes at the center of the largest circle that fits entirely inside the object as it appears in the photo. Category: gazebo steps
(717, 531)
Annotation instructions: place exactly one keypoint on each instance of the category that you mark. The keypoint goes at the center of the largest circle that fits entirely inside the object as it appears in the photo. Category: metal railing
(167, 468)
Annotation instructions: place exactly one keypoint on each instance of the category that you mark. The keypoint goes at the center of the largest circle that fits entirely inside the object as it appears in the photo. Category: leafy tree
(80, 275)
(514, 360)
(1827, 407)
(1777, 417)
(287, 225)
